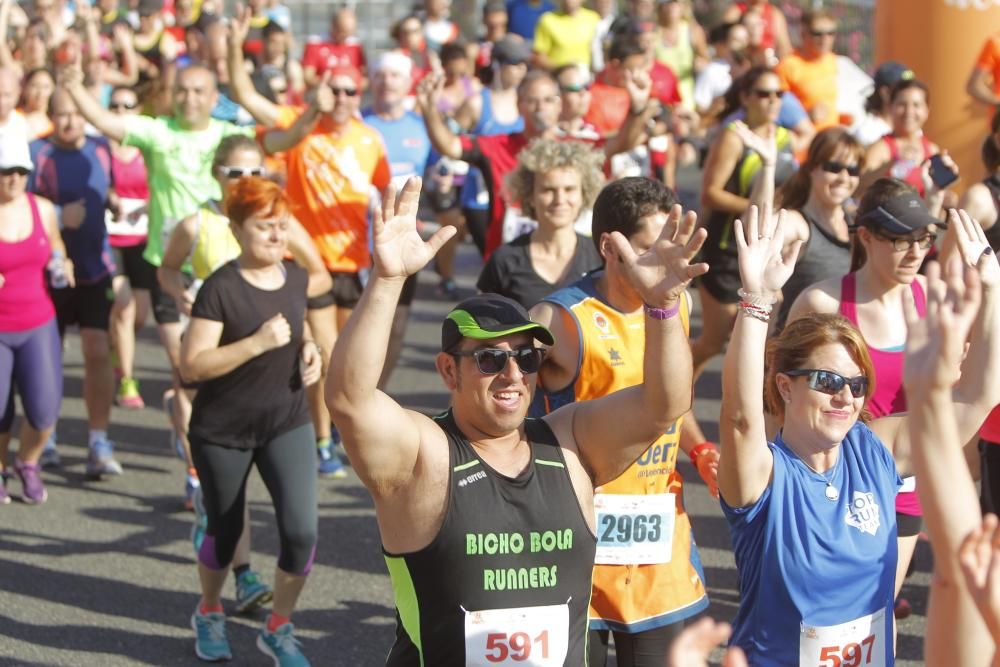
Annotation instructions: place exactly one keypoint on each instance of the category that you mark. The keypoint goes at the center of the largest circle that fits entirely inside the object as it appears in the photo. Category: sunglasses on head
(491, 361)
(828, 382)
(767, 94)
(10, 171)
(350, 92)
(834, 167)
(126, 106)
(574, 87)
(240, 172)
(904, 243)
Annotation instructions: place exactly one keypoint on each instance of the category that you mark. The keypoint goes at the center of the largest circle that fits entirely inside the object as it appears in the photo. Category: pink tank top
(130, 183)
(24, 297)
(889, 397)
(907, 170)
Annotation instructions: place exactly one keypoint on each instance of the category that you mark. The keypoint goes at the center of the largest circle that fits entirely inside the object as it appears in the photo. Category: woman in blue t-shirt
(811, 514)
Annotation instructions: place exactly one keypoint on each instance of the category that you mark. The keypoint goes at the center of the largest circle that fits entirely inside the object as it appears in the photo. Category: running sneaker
(210, 643)
(4, 498)
(251, 592)
(32, 489)
(200, 520)
(50, 455)
(175, 438)
(282, 646)
(191, 486)
(101, 460)
(330, 465)
(128, 394)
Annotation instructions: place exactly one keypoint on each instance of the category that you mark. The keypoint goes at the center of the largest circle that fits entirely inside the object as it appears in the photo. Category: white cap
(394, 60)
(14, 152)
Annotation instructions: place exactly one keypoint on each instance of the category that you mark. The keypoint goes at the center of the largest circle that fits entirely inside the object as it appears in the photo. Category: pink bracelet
(662, 313)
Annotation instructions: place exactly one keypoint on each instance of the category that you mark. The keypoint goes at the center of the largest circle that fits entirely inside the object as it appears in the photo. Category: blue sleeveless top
(487, 126)
(806, 560)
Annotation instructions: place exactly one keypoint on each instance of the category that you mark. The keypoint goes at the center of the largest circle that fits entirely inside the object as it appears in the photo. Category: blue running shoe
(210, 643)
(50, 455)
(175, 438)
(251, 592)
(282, 646)
(330, 465)
(101, 460)
(200, 520)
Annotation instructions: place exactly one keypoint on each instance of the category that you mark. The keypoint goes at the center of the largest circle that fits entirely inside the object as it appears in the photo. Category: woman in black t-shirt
(554, 181)
(248, 346)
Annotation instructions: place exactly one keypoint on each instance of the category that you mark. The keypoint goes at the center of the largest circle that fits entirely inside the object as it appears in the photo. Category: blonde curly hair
(545, 155)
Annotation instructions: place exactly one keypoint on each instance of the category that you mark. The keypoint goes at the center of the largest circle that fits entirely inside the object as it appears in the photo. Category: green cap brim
(469, 328)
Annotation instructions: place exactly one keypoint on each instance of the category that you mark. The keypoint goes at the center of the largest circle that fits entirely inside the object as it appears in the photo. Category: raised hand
(765, 264)
(695, 644)
(325, 100)
(765, 146)
(935, 344)
(970, 239)
(639, 86)
(664, 271)
(399, 251)
(239, 25)
(429, 92)
(979, 558)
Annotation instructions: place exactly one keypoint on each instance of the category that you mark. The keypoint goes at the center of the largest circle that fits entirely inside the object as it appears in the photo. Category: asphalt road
(103, 573)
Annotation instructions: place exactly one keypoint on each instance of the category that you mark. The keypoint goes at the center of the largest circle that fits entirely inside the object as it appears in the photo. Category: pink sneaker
(32, 489)
(128, 394)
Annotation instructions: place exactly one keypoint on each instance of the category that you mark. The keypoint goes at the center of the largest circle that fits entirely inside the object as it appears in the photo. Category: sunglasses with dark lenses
(822, 33)
(126, 106)
(491, 361)
(240, 172)
(834, 167)
(828, 382)
(574, 87)
(902, 244)
(10, 171)
(350, 92)
(767, 94)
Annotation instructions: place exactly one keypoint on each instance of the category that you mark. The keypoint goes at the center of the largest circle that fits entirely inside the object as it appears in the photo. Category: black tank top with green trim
(507, 578)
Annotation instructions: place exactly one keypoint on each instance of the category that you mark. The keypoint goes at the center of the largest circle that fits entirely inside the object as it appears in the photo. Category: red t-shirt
(325, 56)
(664, 84)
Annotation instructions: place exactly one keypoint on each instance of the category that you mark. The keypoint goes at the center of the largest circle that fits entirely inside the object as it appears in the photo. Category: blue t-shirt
(68, 175)
(791, 113)
(406, 144)
(522, 16)
(806, 560)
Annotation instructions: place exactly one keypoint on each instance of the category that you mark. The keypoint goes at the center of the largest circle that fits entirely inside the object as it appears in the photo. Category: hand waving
(935, 344)
(979, 558)
(399, 251)
(663, 272)
(764, 268)
(765, 146)
(239, 25)
(969, 237)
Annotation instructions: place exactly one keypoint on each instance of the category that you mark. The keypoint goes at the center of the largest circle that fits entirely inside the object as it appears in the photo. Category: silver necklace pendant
(831, 493)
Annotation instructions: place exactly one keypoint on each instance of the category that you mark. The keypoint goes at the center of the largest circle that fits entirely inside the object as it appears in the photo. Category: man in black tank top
(487, 517)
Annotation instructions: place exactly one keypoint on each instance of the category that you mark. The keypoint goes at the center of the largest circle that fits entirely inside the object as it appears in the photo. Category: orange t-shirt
(989, 60)
(330, 179)
(609, 106)
(813, 82)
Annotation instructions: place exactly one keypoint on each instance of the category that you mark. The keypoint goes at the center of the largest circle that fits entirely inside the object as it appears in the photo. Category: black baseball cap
(489, 316)
(903, 214)
(890, 73)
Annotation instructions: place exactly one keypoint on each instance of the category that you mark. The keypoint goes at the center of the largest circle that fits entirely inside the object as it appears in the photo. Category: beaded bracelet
(762, 313)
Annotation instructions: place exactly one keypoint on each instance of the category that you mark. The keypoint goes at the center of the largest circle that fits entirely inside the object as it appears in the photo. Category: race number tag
(634, 530)
(857, 643)
(134, 222)
(530, 636)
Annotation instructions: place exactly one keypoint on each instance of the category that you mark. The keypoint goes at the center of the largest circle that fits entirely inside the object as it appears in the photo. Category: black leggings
(989, 495)
(642, 649)
(287, 465)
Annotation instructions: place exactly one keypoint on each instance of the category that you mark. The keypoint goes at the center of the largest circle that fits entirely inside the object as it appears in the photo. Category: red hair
(251, 196)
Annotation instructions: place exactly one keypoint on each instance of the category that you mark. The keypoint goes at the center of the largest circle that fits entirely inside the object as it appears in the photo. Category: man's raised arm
(111, 125)
(612, 432)
(380, 436)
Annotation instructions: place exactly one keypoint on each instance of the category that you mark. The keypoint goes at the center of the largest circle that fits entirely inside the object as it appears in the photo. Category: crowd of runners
(271, 197)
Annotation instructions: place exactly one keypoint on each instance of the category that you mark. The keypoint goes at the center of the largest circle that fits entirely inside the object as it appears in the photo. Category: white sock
(96, 435)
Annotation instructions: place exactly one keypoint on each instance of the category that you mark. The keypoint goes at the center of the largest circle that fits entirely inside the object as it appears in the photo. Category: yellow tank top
(214, 243)
(627, 597)
(680, 59)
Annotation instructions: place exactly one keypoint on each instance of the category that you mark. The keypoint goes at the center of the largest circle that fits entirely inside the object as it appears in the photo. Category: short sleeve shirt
(814, 82)
(179, 163)
(566, 39)
(330, 179)
(989, 61)
(324, 56)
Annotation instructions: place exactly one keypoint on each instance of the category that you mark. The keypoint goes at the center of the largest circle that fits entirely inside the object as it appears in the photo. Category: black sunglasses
(834, 167)
(115, 106)
(822, 33)
(240, 172)
(828, 382)
(350, 92)
(10, 171)
(491, 360)
(767, 94)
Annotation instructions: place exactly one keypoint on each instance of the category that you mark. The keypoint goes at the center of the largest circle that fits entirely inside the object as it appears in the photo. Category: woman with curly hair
(554, 181)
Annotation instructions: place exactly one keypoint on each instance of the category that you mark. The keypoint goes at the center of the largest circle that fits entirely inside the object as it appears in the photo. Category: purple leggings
(31, 361)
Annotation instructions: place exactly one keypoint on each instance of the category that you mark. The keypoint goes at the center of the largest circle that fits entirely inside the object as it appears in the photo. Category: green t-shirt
(179, 164)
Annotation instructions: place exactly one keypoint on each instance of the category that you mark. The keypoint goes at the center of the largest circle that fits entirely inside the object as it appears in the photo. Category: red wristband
(699, 449)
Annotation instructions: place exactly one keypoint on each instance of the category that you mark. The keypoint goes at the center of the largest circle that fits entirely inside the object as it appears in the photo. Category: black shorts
(723, 278)
(347, 289)
(130, 263)
(164, 307)
(908, 525)
(346, 297)
(88, 306)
